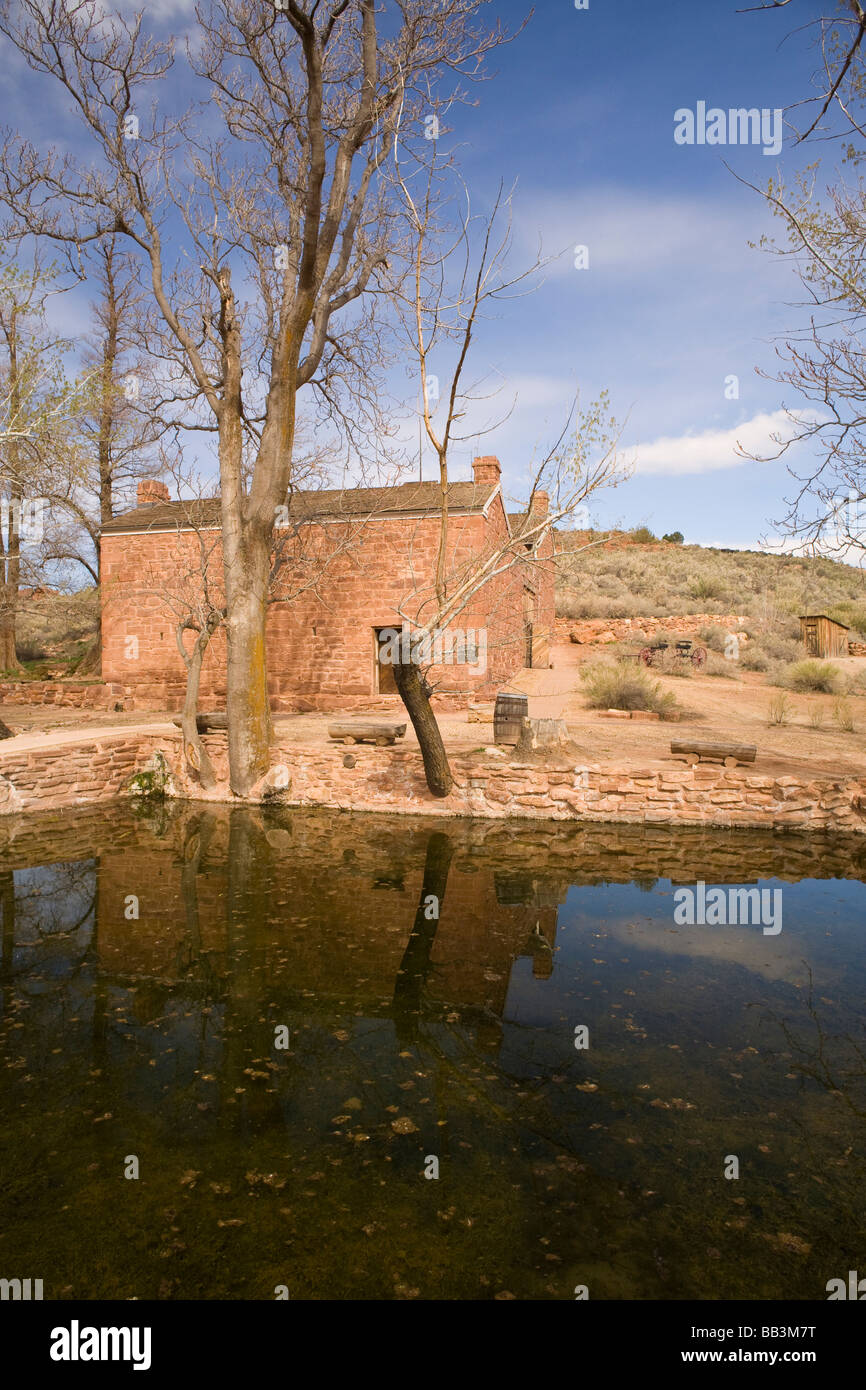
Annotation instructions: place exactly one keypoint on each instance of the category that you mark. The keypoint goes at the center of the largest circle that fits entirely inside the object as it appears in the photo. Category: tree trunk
(247, 702)
(195, 753)
(8, 656)
(414, 692)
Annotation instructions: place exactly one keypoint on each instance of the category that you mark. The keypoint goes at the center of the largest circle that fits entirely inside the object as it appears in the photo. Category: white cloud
(715, 450)
(632, 231)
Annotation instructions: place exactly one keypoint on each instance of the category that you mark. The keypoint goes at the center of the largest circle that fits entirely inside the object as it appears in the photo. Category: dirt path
(726, 708)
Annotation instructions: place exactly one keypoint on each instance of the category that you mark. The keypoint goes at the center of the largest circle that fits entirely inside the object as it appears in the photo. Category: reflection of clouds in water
(774, 958)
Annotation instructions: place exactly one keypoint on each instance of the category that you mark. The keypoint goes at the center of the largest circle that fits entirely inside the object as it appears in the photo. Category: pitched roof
(404, 499)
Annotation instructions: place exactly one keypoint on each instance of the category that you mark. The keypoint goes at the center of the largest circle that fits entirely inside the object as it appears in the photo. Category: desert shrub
(752, 658)
(714, 638)
(30, 649)
(674, 537)
(720, 666)
(817, 715)
(843, 715)
(622, 685)
(814, 676)
(781, 647)
(642, 535)
(707, 586)
(850, 613)
(779, 709)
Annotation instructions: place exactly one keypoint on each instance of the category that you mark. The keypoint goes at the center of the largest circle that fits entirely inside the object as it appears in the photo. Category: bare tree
(37, 404)
(285, 196)
(823, 360)
(441, 313)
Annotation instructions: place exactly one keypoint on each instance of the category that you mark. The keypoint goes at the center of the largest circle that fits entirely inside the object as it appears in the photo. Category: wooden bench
(379, 731)
(697, 751)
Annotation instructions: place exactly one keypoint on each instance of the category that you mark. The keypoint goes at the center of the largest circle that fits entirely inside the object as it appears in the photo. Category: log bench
(379, 731)
(697, 751)
(208, 723)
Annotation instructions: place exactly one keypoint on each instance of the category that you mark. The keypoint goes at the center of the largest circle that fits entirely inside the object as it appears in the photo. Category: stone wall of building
(341, 581)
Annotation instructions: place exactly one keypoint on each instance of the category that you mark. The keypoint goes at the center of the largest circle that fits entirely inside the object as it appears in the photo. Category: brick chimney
(151, 491)
(486, 471)
(541, 503)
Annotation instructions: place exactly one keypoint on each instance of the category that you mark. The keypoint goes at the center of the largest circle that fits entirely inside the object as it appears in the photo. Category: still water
(339, 1054)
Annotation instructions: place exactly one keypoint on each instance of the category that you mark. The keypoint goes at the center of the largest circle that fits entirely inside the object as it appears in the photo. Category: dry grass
(664, 580)
(620, 685)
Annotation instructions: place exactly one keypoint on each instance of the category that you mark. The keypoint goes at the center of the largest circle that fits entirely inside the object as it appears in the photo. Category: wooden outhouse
(822, 636)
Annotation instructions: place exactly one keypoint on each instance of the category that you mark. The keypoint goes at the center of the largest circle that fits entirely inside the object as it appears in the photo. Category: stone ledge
(97, 765)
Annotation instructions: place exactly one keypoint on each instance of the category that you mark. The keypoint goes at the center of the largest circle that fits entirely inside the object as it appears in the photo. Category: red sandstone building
(354, 560)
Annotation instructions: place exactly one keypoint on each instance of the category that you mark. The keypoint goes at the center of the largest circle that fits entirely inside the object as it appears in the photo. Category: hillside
(625, 579)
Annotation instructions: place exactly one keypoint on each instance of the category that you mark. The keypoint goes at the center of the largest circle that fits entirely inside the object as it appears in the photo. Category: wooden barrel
(508, 715)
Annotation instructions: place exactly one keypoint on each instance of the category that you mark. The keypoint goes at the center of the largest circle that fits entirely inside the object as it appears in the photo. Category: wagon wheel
(646, 656)
(699, 656)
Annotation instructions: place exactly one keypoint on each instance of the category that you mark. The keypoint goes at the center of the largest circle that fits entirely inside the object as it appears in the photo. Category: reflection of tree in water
(836, 1062)
(192, 961)
(461, 1048)
(824, 1059)
(416, 964)
(48, 907)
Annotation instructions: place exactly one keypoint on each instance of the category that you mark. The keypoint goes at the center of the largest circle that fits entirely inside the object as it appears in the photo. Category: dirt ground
(731, 709)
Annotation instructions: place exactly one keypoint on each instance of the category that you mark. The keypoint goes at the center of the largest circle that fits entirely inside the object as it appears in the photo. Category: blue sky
(580, 114)
(674, 300)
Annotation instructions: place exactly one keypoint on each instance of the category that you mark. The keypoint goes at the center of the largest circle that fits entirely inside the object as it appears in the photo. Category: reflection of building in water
(331, 919)
(326, 910)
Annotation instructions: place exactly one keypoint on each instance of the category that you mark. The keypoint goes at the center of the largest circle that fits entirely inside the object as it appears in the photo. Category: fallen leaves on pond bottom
(404, 1125)
(586, 1086)
(190, 1177)
(791, 1244)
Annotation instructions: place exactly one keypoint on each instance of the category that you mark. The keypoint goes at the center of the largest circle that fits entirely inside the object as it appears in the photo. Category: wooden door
(385, 682)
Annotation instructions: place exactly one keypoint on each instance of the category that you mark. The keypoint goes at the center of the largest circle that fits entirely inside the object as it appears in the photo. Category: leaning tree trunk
(415, 694)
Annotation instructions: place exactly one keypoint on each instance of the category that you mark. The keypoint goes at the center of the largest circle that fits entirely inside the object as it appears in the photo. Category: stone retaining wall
(96, 696)
(602, 631)
(391, 779)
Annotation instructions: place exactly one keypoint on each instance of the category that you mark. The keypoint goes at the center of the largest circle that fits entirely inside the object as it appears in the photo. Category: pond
(248, 1054)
